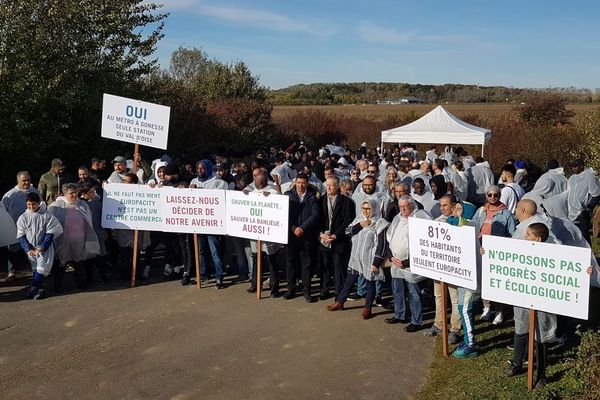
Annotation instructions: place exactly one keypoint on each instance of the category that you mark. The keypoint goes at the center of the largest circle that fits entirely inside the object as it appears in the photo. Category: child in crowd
(36, 230)
(545, 327)
(462, 212)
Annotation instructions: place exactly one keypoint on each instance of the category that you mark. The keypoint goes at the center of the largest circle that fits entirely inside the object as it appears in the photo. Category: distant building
(401, 100)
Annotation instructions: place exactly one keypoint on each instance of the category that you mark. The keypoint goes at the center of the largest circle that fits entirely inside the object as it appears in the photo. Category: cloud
(254, 18)
(378, 34)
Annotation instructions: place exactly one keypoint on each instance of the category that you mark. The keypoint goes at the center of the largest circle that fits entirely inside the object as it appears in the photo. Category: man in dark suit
(338, 212)
(302, 245)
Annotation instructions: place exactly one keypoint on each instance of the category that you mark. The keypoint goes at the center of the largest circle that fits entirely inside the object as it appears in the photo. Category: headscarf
(467, 213)
(442, 187)
(378, 223)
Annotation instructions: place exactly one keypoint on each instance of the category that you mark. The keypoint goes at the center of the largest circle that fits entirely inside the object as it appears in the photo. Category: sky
(524, 44)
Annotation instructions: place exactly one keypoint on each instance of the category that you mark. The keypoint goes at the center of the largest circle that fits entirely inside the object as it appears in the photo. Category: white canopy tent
(437, 127)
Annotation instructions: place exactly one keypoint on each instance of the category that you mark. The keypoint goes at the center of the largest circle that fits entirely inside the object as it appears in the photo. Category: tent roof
(437, 127)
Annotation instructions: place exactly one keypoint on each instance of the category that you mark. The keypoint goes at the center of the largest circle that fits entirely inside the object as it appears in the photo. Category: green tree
(57, 58)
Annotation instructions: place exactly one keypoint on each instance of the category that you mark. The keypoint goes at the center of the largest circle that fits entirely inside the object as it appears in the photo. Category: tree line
(371, 92)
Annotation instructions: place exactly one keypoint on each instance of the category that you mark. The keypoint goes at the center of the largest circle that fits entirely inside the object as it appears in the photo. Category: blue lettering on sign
(132, 111)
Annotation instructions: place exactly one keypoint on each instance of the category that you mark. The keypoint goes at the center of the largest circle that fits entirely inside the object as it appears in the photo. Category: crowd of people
(348, 226)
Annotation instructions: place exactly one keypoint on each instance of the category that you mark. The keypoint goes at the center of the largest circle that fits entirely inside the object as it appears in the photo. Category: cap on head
(120, 160)
(519, 164)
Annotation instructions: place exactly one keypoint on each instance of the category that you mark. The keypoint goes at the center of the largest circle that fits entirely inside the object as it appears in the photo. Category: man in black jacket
(302, 244)
(338, 212)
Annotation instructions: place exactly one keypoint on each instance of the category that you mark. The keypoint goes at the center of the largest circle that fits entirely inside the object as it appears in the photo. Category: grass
(484, 377)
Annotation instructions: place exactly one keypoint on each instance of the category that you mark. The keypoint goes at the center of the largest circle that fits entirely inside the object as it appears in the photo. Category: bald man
(526, 213)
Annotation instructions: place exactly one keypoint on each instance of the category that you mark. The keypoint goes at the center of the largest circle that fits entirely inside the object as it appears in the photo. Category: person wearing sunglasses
(493, 218)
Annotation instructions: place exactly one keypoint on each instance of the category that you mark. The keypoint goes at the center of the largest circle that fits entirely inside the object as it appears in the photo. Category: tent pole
(482, 147)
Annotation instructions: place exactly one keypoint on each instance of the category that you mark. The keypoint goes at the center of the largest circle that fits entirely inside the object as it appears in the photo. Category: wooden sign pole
(258, 269)
(531, 347)
(445, 351)
(198, 277)
(136, 150)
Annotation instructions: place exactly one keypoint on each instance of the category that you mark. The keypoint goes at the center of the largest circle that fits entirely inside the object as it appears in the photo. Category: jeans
(215, 249)
(361, 288)
(414, 300)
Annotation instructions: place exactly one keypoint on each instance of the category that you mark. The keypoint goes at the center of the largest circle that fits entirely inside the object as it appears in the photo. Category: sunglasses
(370, 171)
(366, 208)
(490, 195)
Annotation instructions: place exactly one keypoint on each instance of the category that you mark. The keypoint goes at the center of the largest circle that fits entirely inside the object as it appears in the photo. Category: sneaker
(454, 338)
(146, 273)
(219, 284)
(487, 314)
(168, 270)
(355, 296)
(465, 351)
(499, 319)
(378, 301)
(433, 331)
(10, 277)
(41, 294)
(514, 369)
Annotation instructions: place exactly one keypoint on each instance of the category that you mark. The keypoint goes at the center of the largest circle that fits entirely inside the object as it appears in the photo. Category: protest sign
(193, 210)
(135, 121)
(127, 206)
(541, 276)
(258, 217)
(443, 252)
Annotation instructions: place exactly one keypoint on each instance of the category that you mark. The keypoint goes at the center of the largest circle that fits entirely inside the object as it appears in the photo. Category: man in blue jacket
(303, 229)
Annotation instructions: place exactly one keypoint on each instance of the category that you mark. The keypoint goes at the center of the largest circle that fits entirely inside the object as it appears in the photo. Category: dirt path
(168, 342)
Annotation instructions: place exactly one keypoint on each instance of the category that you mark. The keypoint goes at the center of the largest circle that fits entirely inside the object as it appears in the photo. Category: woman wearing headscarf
(493, 218)
(369, 248)
(462, 212)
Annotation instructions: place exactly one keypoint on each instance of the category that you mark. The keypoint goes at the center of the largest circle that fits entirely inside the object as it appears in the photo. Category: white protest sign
(128, 206)
(135, 121)
(193, 210)
(443, 252)
(256, 216)
(543, 276)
